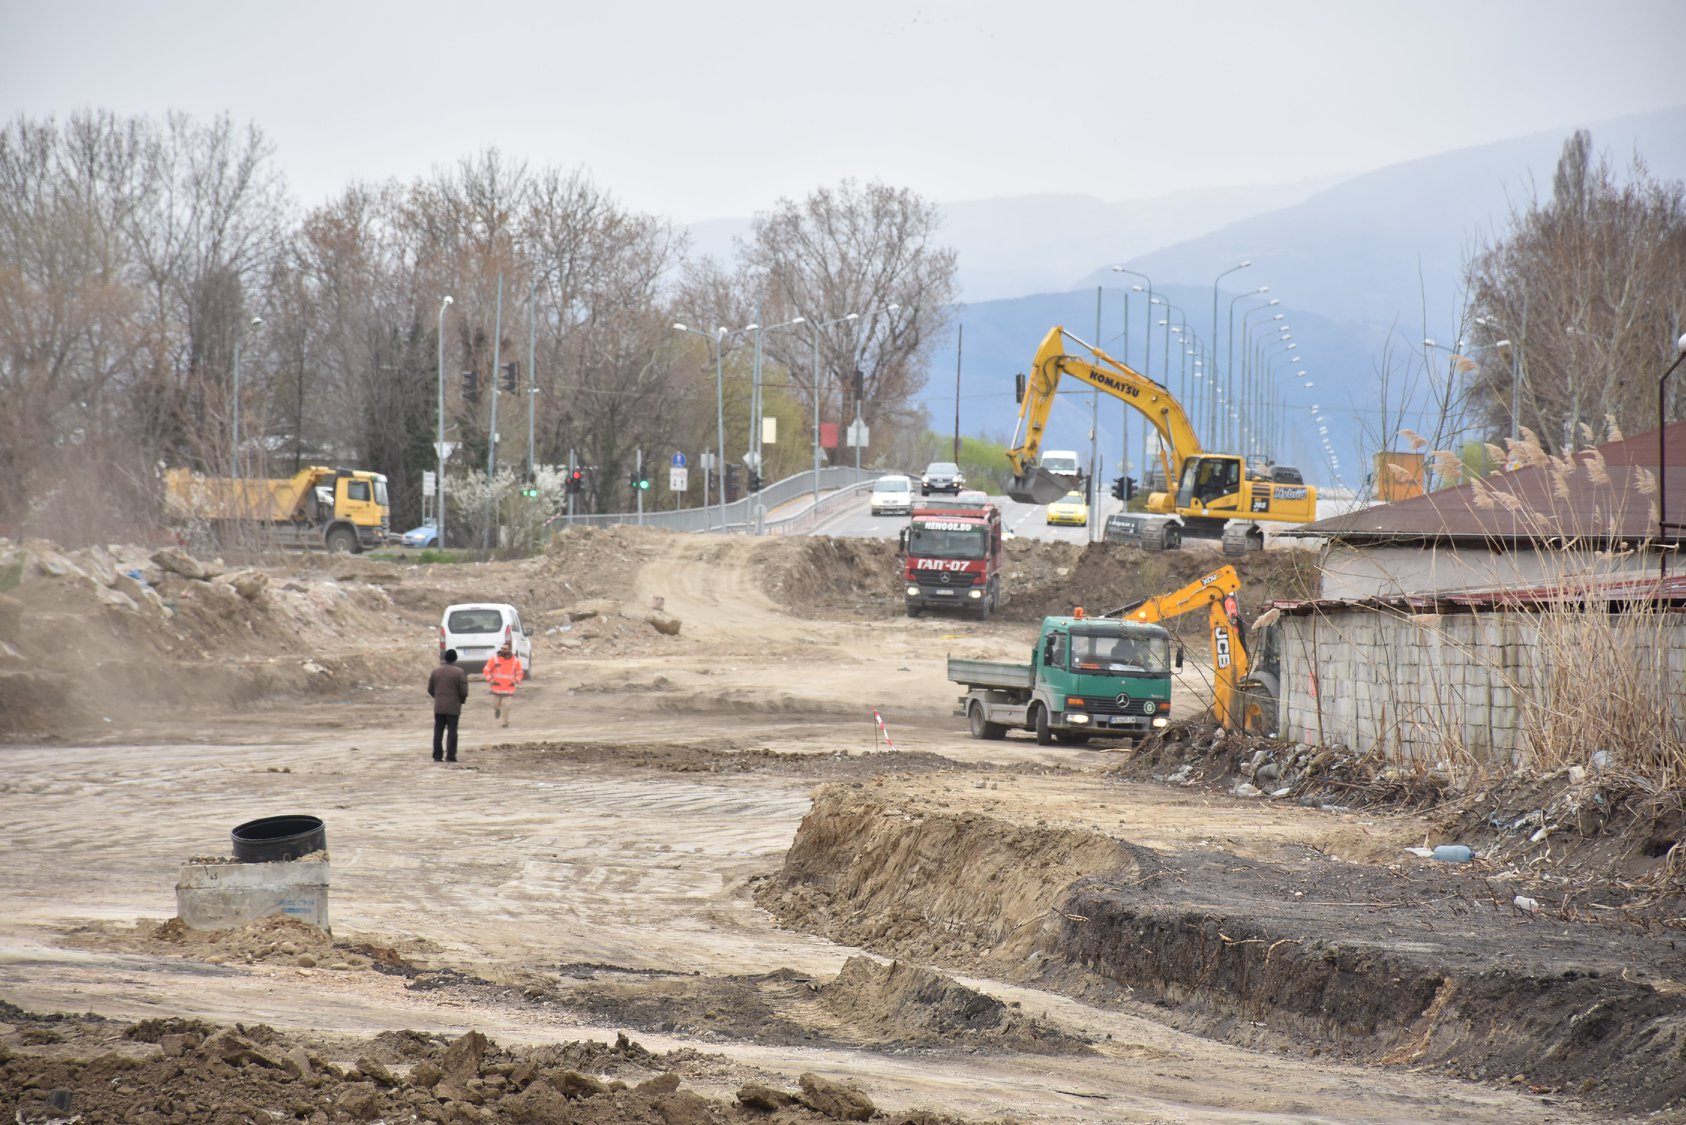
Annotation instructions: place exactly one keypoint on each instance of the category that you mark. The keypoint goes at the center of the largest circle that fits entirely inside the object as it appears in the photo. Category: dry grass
(1586, 673)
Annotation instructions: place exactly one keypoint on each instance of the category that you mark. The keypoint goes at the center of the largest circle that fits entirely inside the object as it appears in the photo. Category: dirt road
(701, 841)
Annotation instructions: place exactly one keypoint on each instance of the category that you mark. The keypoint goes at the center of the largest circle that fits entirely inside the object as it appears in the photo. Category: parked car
(478, 629)
(941, 476)
(1070, 509)
(892, 496)
(424, 536)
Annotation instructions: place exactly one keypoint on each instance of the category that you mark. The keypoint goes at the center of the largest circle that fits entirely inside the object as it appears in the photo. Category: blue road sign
(678, 460)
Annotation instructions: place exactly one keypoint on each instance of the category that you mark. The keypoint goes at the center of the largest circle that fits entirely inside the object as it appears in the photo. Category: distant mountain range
(1364, 267)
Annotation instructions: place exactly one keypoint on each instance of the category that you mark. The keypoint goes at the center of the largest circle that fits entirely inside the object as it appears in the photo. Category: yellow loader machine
(1215, 496)
(1244, 692)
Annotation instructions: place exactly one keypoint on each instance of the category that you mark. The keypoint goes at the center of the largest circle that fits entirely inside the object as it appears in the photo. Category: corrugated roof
(1607, 494)
(1669, 593)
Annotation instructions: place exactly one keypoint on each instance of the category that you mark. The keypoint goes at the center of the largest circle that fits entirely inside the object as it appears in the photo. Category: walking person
(503, 672)
(448, 685)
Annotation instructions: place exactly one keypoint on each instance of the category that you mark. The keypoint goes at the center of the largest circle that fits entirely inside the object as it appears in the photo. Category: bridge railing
(837, 486)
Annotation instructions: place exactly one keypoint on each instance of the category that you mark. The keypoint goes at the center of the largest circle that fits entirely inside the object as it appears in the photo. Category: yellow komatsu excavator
(1243, 698)
(1214, 495)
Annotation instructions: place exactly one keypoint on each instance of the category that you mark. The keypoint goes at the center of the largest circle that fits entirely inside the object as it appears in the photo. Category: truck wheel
(982, 727)
(342, 541)
(1044, 733)
(982, 612)
(913, 610)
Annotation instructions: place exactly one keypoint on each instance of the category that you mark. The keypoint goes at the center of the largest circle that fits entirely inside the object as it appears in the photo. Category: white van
(1062, 461)
(892, 496)
(478, 629)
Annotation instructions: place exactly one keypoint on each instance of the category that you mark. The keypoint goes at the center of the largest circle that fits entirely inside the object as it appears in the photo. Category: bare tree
(1585, 289)
(854, 250)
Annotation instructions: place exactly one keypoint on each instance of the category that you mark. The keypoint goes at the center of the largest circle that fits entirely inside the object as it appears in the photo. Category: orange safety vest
(503, 673)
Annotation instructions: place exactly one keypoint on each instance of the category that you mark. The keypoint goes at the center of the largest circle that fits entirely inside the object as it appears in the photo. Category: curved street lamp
(439, 448)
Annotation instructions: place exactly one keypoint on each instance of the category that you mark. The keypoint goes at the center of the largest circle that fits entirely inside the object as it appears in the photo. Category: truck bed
(989, 674)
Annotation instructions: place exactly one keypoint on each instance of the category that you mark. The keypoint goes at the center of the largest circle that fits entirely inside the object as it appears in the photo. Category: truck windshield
(943, 540)
(1120, 655)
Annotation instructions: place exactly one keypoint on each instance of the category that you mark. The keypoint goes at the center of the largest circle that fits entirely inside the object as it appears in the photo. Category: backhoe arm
(1154, 402)
(1223, 622)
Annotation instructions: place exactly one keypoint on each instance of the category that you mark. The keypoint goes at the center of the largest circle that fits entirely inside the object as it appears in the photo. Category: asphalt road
(1029, 521)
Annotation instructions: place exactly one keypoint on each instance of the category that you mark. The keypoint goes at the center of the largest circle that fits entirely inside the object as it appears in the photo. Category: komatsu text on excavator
(1215, 495)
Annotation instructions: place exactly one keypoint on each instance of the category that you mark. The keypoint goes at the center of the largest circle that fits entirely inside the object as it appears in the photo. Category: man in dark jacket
(448, 685)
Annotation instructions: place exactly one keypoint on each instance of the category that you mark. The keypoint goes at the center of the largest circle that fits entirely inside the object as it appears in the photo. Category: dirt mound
(1406, 963)
(277, 940)
(913, 1006)
(59, 1068)
(1577, 839)
(818, 576)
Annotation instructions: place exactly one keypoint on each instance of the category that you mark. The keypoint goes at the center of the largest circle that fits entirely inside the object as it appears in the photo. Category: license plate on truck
(943, 593)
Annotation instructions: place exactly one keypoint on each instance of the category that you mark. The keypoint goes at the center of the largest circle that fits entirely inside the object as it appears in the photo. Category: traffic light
(858, 383)
(509, 370)
(1118, 489)
(471, 386)
(754, 481)
(1129, 487)
(638, 481)
(731, 478)
(531, 489)
(1018, 387)
(576, 480)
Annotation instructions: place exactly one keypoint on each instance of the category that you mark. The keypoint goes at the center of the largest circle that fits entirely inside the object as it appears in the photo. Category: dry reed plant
(1571, 670)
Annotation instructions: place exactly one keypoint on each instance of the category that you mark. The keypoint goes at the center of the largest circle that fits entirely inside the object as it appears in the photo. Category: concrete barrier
(222, 896)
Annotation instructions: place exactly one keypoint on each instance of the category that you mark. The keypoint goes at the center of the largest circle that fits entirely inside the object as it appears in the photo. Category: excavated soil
(699, 835)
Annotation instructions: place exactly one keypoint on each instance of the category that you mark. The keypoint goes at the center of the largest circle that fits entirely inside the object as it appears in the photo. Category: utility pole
(492, 428)
(959, 345)
(532, 370)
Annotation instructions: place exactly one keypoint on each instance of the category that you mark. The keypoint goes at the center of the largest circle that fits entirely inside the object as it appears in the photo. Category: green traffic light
(643, 486)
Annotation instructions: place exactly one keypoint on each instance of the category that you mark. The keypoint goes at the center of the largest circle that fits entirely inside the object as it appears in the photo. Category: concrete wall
(1501, 686)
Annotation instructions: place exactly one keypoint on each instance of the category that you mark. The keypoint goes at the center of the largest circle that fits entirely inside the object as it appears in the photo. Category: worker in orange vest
(503, 672)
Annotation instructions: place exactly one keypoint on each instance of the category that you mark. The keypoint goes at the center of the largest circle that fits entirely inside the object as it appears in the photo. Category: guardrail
(838, 486)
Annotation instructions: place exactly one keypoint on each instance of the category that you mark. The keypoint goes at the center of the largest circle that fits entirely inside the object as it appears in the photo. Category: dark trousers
(445, 735)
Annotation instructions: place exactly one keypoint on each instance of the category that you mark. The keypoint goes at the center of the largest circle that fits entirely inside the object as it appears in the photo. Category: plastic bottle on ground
(1453, 853)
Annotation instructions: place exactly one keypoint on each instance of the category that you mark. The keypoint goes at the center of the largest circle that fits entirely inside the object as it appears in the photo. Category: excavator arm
(1033, 485)
(1215, 593)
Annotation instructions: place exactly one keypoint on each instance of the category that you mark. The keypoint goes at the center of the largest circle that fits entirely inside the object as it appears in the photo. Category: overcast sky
(707, 110)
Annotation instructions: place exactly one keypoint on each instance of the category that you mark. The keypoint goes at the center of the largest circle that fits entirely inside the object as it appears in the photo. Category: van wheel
(1044, 733)
(982, 727)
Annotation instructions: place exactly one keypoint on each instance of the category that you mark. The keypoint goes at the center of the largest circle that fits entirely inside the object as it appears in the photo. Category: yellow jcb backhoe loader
(1243, 698)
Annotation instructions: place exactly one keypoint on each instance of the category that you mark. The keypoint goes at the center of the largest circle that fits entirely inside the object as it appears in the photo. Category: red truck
(953, 556)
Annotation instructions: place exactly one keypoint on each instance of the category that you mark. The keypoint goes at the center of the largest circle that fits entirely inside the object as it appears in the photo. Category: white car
(892, 496)
(478, 629)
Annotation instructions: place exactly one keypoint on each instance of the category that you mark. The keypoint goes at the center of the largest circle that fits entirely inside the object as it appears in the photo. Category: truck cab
(952, 558)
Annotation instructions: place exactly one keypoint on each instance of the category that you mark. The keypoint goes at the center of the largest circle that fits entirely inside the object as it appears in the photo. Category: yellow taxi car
(1069, 509)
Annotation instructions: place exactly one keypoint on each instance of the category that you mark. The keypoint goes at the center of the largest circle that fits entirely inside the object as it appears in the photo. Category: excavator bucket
(1038, 486)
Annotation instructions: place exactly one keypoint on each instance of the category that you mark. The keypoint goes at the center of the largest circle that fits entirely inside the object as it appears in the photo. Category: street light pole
(755, 443)
(1244, 264)
(439, 447)
(818, 328)
(1662, 465)
(234, 449)
(1229, 367)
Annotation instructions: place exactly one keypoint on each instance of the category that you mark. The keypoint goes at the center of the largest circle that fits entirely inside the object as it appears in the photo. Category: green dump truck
(1088, 677)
